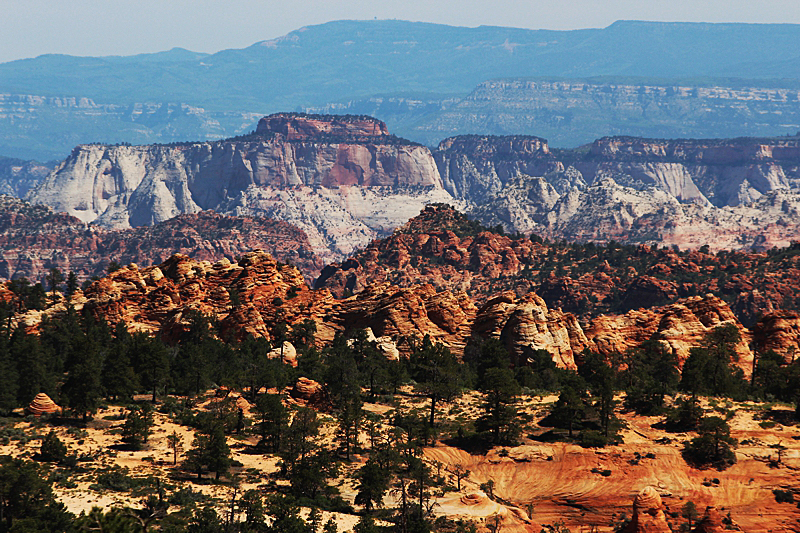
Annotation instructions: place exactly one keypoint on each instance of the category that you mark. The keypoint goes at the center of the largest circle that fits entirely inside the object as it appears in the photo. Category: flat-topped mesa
(490, 146)
(707, 151)
(303, 127)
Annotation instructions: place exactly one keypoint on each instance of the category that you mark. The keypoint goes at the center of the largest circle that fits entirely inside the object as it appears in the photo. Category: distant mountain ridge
(351, 60)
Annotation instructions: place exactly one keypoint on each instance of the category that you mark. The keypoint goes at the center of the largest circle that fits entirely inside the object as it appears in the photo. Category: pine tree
(151, 361)
(373, 483)
(82, 388)
(9, 378)
(501, 390)
(118, 376)
(137, 427)
(713, 445)
(273, 421)
(53, 449)
(218, 454)
(568, 409)
(72, 283)
(349, 417)
(175, 443)
(436, 371)
(54, 279)
(32, 373)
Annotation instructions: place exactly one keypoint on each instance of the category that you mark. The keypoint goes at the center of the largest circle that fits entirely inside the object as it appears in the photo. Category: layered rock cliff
(572, 112)
(342, 180)
(17, 177)
(631, 189)
(345, 180)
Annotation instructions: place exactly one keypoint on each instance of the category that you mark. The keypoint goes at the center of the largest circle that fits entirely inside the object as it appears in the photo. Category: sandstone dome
(42, 404)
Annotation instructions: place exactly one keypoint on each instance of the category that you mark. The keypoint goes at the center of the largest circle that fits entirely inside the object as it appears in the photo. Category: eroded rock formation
(648, 514)
(34, 239)
(342, 180)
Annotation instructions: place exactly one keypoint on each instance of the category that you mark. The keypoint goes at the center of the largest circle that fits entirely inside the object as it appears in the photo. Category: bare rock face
(779, 331)
(17, 177)
(711, 522)
(34, 239)
(335, 177)
(309, 393)
(309, 127)
(679, 326)
(648, 514)
(526, 323)
(477, 166)
(631, 189)
(392, 311)
(41, 405)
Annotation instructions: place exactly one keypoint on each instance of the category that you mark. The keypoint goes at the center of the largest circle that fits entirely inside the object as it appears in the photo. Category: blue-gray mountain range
(427, 81)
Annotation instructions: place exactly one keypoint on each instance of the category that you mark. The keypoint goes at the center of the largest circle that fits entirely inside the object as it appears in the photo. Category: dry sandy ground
(555, 480)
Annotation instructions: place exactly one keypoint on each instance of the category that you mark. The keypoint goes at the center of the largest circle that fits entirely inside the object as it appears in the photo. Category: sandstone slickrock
(648, 514)
(711, 522)
(342, 180)
(779, 331)
(309, 392)
(528, 324)
(679, 326)
(250, 296)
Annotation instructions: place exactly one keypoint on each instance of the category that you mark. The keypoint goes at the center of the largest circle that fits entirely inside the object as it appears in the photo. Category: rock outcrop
(445, 249)
(249, 297)
(42, 405)
(648, 514)
(631, 189)
(345, 180)
(679, 326)
(34, 239)
(341, 180)
(711, 522)
(779, 331)
(17, 177)
(526, 324)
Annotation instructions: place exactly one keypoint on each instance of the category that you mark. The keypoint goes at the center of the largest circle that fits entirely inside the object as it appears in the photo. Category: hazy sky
(119, 27)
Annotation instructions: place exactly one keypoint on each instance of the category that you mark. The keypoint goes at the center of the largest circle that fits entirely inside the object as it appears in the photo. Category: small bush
(783, 496)
(53, 450)
(593, 439)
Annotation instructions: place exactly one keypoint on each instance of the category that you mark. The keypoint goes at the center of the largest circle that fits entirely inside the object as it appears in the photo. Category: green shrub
(591, 438)
(713, 445)
(53, 450)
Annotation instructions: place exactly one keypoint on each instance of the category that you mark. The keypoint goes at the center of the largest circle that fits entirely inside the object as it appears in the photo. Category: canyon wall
(342, 181)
